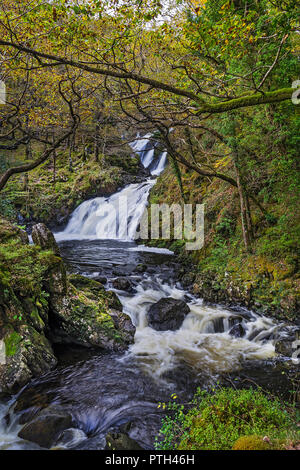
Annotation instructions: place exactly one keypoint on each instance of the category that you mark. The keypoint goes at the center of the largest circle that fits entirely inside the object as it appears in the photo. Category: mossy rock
(89, 286)
(85, 317)
(251, 443)
(95, 290)
(121, 441)
(43, 237)
(28, 354)
(12, 342)
(9, 231)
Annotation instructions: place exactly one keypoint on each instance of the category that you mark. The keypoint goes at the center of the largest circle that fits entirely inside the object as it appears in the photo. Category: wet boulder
(124, 324)
(237, 331)
(122, 283)
(90, 316)
(101, 279)
(140, 268)
(289, 343)
(167, 314)
(45, 428)
(233, 325)
(43, 237)
(121, 441)
(236, 327)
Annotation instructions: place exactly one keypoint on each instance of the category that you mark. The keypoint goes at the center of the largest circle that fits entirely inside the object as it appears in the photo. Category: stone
(46, 427)
(28, 355)
(237, 331)
(236, 328)
(140, 268)
(188, 279)
(43, 237)
(85, 283)
(123, 323)
(167, 314)
(286, 346)
(122, 283)
(9, 231)
(89, 316)
(121, 441)
(101, 279)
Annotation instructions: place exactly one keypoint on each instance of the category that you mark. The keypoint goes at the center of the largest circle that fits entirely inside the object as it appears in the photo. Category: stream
(110, 391)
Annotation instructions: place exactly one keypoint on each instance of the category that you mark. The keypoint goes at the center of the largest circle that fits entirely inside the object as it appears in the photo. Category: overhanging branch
(205, 107)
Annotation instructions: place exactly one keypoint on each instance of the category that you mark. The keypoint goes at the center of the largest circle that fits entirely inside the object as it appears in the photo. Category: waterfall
(145, 148)
(205, 335)
(160, 164)
(118, 216)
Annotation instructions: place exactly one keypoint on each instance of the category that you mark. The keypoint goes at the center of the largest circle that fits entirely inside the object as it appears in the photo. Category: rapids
(104, 391)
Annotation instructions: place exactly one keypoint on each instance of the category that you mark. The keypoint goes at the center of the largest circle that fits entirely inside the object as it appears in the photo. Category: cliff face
(40, 304)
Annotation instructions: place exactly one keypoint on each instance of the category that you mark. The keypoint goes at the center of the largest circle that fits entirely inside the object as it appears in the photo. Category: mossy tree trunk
(246, 219)
(97, 137)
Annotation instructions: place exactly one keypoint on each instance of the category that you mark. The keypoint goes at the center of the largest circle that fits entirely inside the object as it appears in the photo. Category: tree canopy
(185, 67)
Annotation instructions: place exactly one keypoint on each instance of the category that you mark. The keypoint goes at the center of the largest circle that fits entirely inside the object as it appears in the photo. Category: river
(107, 391)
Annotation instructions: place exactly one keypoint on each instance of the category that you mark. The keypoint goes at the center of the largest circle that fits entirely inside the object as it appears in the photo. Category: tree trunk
(28, 151)
(97, 139)
(244, 204)
(71, 149)
(249, 217)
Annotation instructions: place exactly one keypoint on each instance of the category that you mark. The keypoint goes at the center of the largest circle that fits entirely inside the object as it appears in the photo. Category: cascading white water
(145, 148)
(196, 342)
(116, 217)
(160, 165)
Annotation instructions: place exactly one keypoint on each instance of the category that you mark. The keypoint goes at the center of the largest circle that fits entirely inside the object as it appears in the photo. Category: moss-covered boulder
(28, 355)
(25, 351)
(251, 443)
(40, 304)
(43, 237)
(88, 315)
(9, 231)
(121, 441)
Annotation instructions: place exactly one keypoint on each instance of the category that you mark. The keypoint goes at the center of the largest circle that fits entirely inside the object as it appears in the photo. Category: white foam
(152, 249)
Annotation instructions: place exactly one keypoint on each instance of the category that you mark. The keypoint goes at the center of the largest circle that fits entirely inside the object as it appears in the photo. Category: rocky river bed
(98, 400)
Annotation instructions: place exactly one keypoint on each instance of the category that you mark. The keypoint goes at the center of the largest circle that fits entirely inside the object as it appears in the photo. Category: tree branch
(213, 108)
